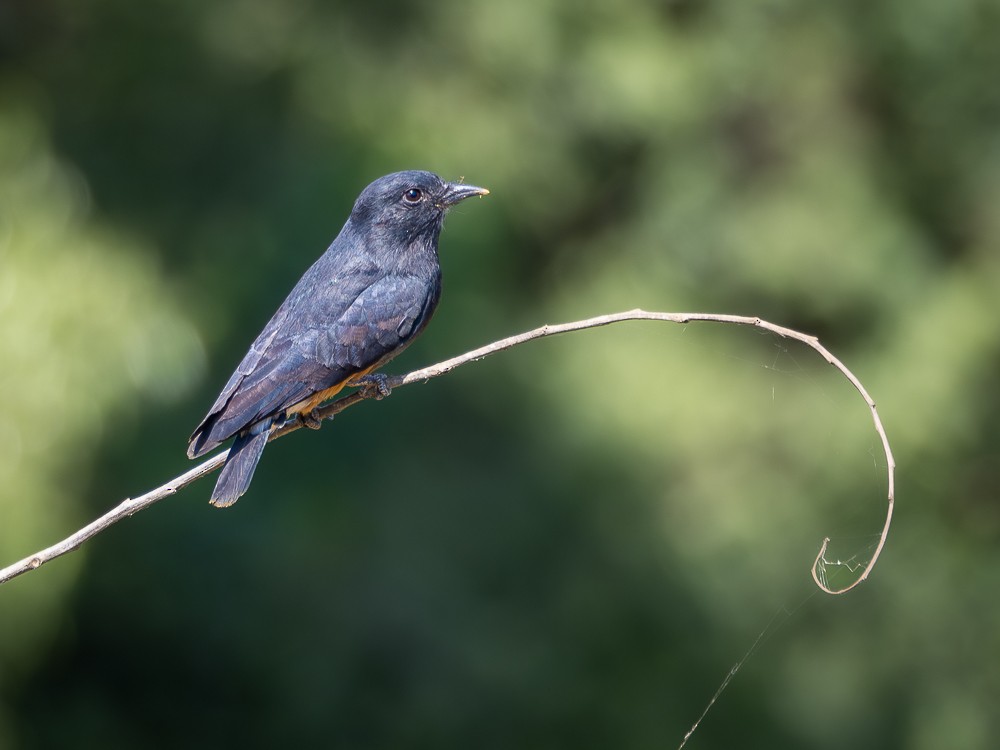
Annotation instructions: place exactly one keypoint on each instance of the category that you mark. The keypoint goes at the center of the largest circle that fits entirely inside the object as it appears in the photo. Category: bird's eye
(413, 195)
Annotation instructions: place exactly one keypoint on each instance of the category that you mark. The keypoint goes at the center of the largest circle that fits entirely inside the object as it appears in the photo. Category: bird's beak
(458, 192)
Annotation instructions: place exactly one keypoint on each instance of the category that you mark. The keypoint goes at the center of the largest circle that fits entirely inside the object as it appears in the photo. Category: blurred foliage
(87, 334)
(568, 545)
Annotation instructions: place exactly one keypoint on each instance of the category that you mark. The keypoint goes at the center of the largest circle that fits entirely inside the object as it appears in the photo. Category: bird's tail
(238, 471)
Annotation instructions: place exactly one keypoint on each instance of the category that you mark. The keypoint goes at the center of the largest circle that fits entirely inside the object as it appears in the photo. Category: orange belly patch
(307, 405)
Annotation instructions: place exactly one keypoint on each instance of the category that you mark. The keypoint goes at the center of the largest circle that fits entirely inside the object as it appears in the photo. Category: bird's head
(409, 202)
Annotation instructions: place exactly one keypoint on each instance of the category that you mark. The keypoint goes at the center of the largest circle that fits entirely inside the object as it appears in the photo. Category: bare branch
(134, 505)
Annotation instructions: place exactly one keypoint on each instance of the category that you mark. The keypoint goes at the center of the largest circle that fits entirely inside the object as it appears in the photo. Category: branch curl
(132, 506)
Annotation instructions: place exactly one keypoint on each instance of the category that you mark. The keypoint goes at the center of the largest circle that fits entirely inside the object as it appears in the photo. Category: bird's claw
(374, 385)
(311, 419)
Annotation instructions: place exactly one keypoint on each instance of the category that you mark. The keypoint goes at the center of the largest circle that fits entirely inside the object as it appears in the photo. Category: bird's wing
(299, 355)
(382, 320)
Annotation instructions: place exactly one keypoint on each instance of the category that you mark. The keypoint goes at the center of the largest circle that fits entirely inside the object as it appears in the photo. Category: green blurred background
(565, 546)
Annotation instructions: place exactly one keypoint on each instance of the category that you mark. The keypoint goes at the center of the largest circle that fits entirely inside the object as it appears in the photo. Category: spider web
(829, 570)
(832, 570)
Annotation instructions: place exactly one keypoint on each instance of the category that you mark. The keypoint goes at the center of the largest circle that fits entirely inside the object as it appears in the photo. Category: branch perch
(131, 506)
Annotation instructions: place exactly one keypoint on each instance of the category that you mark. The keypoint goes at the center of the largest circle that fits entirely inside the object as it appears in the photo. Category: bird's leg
(374, 385)
(311, 419)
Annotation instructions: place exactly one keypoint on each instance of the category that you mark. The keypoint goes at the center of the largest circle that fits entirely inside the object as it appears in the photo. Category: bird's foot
(374, 385)
(311, 419)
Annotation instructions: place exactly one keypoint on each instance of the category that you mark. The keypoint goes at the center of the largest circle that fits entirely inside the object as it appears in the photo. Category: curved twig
(133, 505)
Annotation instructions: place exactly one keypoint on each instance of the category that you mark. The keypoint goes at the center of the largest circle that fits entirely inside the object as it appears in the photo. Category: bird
(360, 304)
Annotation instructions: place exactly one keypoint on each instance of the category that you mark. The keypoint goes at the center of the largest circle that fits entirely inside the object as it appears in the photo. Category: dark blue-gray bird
(358, 306)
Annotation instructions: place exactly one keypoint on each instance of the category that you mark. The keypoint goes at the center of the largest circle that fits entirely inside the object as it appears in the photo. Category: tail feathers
(238, 471)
